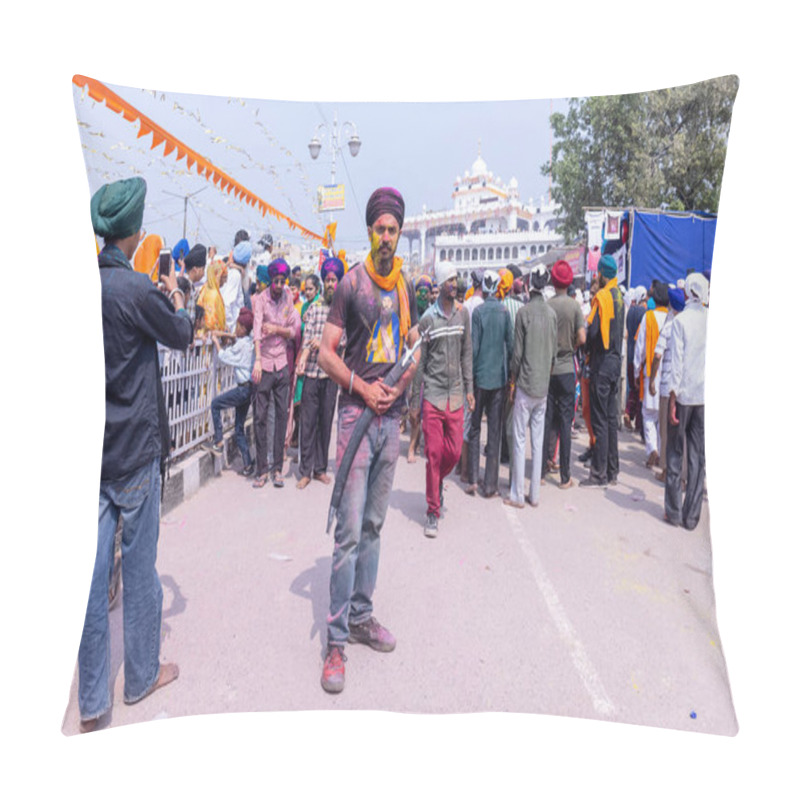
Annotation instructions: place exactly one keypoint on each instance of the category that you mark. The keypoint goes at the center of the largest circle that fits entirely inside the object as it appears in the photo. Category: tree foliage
(665, 148)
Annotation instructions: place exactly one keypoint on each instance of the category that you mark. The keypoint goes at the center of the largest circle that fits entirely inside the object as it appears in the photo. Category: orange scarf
(388, 283)
(604, 301)
(145, 258)
(651, 332)
(211, 299)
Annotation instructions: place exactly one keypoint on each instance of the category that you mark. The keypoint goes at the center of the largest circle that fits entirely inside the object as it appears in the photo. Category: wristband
(180, 292)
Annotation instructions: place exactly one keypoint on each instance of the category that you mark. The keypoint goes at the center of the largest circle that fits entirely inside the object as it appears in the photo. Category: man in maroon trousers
(445, 370)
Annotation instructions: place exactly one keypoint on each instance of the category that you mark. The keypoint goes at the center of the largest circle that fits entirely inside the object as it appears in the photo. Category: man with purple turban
(276, 324)
(374, 306)
(318, 400)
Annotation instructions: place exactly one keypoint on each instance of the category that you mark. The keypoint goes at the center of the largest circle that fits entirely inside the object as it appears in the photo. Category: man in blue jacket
(492, 346)
(136, 315)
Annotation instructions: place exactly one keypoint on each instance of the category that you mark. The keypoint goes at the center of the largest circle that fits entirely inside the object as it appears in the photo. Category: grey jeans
(529, 413)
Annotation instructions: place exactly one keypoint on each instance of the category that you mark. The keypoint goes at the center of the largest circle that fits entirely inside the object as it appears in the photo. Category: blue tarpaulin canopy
(665, 245)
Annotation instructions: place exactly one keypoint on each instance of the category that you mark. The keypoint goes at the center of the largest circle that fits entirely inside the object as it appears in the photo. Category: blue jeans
(137, 500)
(238, 398)
(362, 512)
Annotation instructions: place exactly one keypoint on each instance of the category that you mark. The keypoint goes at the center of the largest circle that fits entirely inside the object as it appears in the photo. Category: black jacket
(136, 315)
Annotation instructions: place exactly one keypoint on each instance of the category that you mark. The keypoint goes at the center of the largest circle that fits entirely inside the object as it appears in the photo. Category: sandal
(260, 481)
(277, 480)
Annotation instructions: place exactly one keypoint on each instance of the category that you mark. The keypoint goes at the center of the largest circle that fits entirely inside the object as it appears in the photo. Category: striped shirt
(445, 363)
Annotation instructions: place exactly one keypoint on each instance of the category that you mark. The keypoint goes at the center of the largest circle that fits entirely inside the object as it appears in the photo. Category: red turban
(561, 276)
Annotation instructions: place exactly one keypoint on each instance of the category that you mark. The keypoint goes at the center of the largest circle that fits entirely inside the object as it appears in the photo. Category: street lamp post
(321, 132)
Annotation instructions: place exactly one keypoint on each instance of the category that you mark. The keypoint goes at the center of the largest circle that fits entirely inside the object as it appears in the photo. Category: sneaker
(593, 483)
(213, 447)
(431, 526)
(333, 669)
(372, 633)
(248, 471)
(585, 456)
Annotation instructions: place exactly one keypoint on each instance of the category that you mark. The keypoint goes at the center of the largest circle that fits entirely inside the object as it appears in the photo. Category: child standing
(239, 356)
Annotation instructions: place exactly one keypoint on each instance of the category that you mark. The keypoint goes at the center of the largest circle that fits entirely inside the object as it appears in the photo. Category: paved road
(588, 606)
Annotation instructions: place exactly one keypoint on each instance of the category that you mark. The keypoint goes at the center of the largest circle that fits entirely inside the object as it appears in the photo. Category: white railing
(191, 380)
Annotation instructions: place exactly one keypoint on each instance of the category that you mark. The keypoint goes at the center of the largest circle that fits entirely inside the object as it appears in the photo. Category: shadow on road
(411, 504)
(634, 499)
(314, 584)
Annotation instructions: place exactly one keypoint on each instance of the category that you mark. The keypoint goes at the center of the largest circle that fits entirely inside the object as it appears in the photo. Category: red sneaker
(333, 669)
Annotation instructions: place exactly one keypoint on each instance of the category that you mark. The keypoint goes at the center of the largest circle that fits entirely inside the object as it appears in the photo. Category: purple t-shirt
(370, 317)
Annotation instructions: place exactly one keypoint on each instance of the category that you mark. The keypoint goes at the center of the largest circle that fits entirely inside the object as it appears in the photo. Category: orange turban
(506, 282)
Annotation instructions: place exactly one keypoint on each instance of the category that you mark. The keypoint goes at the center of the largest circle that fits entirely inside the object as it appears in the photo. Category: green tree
(645, 150)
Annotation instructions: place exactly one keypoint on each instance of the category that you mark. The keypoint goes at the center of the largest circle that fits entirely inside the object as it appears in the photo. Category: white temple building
(488, 226)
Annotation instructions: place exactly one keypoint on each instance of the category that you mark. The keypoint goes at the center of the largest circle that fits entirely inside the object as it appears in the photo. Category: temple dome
(479, 167)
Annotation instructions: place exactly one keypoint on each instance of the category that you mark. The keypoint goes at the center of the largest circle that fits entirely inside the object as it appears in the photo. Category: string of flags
(203, 166)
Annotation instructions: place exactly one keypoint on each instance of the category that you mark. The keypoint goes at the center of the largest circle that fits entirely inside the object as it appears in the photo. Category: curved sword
(360, 428)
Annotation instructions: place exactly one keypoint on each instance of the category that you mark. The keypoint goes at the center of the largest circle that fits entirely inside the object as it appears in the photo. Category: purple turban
(333, 265)
(386, 201)
(245, 318)
(278, 267)
(424, 280)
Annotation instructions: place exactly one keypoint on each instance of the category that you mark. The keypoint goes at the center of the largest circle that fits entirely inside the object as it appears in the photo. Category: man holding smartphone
(136, 444)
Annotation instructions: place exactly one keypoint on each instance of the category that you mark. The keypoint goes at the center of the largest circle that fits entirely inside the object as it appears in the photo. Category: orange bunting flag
(101, 93)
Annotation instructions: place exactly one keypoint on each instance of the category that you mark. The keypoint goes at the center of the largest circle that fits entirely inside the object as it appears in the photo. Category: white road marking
(587, 673)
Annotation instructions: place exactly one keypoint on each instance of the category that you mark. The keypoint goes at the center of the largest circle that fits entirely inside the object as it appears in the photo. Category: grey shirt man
(535, 346)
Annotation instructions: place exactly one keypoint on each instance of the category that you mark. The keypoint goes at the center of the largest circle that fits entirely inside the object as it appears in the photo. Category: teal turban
(117, 208)
(608, 267)
(262, 274)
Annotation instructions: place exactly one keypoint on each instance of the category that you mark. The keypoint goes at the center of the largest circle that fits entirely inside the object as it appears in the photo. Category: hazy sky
(417, 147)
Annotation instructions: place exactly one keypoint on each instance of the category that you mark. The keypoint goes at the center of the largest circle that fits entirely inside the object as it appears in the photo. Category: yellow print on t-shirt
(384, 342)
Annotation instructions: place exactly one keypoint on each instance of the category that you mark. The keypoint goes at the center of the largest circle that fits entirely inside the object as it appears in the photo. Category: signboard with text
(330, 198)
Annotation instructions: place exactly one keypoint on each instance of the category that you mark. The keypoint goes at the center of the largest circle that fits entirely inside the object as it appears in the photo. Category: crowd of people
(525, 348)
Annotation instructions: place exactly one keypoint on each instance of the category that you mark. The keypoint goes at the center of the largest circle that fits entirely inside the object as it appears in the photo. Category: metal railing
(191, 380)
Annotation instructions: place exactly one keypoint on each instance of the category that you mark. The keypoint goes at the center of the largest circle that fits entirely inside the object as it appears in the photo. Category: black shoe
(586, 455)
(592, 483)
(247, 471)
(431, 526)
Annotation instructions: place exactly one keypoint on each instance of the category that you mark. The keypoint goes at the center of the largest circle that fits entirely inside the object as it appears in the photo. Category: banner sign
(330, 198)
